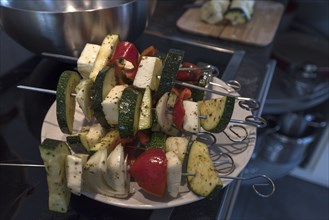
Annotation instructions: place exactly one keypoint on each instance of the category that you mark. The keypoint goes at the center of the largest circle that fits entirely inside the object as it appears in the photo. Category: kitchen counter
(253, 67)
(254, 73)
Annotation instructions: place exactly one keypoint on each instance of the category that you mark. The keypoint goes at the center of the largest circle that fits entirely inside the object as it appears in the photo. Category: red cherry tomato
(150, 171)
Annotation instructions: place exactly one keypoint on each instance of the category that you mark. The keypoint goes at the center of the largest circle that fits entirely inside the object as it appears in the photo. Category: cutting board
(259, 31)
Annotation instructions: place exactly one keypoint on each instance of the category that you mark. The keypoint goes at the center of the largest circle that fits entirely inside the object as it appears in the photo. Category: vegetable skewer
(250, 120)
(264, 177)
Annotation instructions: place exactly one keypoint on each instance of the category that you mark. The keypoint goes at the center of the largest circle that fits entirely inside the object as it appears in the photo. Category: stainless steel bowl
(64, 27)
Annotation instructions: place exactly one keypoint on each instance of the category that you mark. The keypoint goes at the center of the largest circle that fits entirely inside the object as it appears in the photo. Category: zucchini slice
(171, 66)
(129, 109)
(158, 140)
(105, 53)
(240, 12)
(65, 101)
(54, 153)
(145, 116)
(83, 96)
(105, 81)
(197, 94)
(79, 140)
(204, 180)
(218, 113)
(75, 143)
(108, 141)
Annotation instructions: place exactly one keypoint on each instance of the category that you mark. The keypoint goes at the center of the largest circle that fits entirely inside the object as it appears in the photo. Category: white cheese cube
(174, 173)
(111, 104)
(95, 134)
(148, 73)
(191, 118)
(74, 169)
(87, 59)
(178, 145)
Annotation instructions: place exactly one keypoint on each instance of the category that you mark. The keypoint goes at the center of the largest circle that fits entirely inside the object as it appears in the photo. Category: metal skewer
(53, 92)
(31, 88)
(245, 103)
(249, 120)
(21, 165)
(255, 186)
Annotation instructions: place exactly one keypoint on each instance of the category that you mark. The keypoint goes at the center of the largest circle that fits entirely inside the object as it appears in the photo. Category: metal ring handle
(206, 137)
(251, 121)
(248, 103)
(234, 84)
(257, 185)
(258, 122)
(239, 137)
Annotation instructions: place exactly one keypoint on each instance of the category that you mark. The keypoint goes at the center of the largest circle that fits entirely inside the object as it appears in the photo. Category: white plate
(137, 199)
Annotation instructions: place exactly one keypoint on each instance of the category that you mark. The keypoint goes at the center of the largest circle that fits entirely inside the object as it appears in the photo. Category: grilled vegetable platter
(123, 133)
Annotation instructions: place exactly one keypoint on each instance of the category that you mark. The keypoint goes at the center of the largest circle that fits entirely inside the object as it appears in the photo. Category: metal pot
(279, 148)
(288, 137)
(64, 27)
(296, 124)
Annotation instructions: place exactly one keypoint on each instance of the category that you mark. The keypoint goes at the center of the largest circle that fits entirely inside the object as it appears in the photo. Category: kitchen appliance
(64, 27)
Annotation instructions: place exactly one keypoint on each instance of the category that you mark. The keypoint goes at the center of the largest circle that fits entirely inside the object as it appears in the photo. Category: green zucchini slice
(218, 113)
(145, 116)
(158, 140)
(104, 54)
(171, 66)
(65, 101)
(129, 109)
(83, 96)
(104, 82)
(204, 180)
(54, 153)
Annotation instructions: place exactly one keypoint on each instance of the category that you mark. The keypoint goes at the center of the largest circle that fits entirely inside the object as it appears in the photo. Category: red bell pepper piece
(190, 76)
(149, 51)
(178, 112)
(143, 137)
(128, 52)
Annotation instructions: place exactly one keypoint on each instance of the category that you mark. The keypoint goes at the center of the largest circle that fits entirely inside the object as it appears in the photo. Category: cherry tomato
(150, 171)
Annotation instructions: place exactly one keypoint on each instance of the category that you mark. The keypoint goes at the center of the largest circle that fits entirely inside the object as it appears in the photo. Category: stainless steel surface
(295, 124)
(282, 149)
(64, 27)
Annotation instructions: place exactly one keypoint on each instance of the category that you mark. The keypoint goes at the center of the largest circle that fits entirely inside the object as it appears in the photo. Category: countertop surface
(31, 204)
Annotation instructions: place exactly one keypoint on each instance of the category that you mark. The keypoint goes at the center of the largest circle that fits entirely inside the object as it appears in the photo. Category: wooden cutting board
(260, 30)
